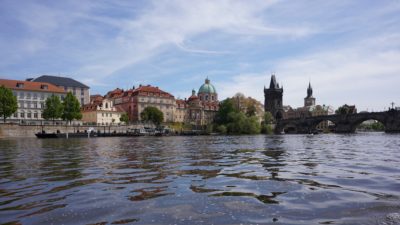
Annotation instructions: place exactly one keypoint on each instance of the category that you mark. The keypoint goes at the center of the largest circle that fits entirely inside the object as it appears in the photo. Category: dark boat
(45, 135)
(64, 135)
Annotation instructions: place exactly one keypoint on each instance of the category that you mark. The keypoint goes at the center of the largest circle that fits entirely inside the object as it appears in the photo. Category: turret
(309, 90)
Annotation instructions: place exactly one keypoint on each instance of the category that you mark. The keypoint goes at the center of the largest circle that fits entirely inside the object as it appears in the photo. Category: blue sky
(350, 50)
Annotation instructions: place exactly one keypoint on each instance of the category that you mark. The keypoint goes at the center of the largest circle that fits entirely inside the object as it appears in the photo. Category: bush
(221, 129)
(267, 129)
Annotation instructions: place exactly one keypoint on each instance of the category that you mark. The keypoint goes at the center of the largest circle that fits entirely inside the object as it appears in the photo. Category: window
(42, 105)
(22, 115)
(44, 87)
(35, 105)
(21, 95)
(29, 115)
(82, 101)
(82, 91)
(212, 97)
(15, 115)
(28, 96)
(206, 97)
(42, 96)
(21, 104)
(35, 115)
(20, 85)
(74, 91)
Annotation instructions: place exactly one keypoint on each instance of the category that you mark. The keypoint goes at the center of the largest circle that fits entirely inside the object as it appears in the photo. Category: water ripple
(297, 179)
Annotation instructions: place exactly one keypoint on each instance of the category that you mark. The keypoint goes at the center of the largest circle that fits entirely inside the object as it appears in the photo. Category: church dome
(207, 88)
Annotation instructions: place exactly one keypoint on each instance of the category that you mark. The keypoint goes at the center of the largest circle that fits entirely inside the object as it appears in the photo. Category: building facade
(31, 98)
(199, 109)
(79, 90)
(134, 101)
(101, 111)
(273, 99)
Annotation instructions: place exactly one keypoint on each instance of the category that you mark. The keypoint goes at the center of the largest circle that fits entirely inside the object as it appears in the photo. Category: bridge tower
(309, 100)
(273, 99)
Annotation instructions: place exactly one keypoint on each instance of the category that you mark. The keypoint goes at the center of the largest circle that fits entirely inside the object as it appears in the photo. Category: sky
(348, 49)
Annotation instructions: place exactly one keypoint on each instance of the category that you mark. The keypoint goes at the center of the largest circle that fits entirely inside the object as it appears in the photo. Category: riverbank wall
(23, 131)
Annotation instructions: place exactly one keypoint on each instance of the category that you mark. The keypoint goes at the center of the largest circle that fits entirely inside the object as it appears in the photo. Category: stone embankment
(15, 130)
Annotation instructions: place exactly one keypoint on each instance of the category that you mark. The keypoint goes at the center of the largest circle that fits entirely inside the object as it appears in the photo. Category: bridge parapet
(343, 123)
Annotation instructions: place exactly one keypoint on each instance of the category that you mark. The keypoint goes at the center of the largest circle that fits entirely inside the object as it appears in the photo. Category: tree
(53, 108)
(124, 118)
(268, 118)
(266, 127)
(226, 106)
(251, 110)
(8, 103)
(152, 114)
(72, 109)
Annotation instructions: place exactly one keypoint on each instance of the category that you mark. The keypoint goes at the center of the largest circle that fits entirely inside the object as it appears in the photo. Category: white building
(31, 97)
(101, 112)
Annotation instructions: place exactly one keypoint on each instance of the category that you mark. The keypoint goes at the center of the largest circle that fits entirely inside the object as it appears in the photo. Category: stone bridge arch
(368, 116)
(343, 123)
(329, 121)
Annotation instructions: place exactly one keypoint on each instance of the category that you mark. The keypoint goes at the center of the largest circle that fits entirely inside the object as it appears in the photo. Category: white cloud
(364, 73)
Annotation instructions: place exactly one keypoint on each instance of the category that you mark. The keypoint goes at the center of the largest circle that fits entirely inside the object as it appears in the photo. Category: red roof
(193, 97)
(31, 86)
(143, 90)
(115, 93)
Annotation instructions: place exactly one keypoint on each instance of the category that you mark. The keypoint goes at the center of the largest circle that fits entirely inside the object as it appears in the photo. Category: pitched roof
(31, 86)
(154, 90)
(60, 81)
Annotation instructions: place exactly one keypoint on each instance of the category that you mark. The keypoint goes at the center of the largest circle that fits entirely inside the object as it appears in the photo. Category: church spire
(273, 84)
(309, 90)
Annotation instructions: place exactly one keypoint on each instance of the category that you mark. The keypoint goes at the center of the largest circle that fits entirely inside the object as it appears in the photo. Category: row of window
(74, 90)
(159, 107)
(28, 115)
(156, 100)
(206, 98)
(31, 105)
(32, 95)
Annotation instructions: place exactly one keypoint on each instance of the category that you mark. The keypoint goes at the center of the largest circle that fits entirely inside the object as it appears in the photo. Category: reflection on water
(322, 179)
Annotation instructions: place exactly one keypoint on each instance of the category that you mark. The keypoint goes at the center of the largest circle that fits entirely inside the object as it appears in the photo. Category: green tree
(124, 118)
(53, 108)
(72, 109)
(226, 107)
(152, 114)
(8, 103)
(268, 118)
(266, 127)
(251, 110)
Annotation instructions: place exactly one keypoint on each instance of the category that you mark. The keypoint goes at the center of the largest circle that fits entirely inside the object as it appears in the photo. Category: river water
(287, 179)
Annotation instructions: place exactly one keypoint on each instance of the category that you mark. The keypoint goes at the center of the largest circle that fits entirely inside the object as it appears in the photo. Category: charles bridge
(346, 123)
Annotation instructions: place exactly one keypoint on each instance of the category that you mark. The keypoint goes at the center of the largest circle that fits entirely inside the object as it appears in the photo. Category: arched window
(206, 97)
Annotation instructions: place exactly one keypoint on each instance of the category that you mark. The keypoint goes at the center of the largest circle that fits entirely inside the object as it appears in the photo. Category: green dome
(207, 88)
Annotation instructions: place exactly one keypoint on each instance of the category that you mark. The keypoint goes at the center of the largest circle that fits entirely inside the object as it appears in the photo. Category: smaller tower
(309, 100)
(273, 99)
